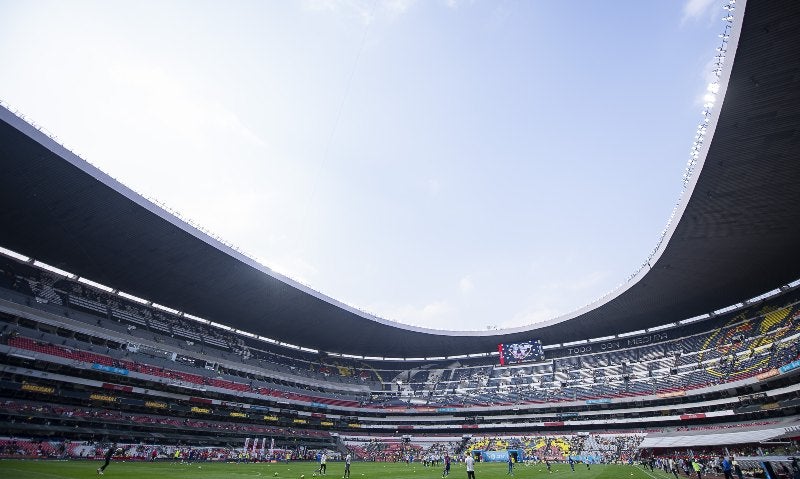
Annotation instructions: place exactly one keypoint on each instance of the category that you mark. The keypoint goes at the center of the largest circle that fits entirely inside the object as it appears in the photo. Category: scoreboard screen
(515, 353)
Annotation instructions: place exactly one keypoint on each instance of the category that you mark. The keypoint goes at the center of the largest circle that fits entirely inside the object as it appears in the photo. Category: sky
(460, 165)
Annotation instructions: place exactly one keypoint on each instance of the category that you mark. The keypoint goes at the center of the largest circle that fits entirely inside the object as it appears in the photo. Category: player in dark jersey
(109, 454)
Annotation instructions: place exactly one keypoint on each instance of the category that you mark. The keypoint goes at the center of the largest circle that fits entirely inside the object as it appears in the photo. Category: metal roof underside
(738, 237)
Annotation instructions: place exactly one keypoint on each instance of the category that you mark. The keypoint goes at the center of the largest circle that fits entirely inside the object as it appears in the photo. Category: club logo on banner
(519, 352)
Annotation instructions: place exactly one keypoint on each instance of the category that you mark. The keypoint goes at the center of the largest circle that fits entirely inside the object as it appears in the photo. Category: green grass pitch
(32, 469)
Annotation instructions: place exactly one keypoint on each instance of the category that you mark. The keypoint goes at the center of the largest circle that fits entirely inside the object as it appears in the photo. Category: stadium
(122, 324)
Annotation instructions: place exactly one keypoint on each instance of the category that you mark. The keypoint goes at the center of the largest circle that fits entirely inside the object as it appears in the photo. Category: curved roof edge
(732, 237)
(693, 172)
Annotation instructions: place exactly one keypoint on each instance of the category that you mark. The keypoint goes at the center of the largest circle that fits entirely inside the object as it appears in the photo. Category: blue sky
(448, 164)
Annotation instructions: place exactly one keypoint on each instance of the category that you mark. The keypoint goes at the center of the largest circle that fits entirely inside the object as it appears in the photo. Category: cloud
(433, 186)
(348, 8)
(456, 4)
(531, 316)
(589, 280)
(365, 12)
(160, 97)
(466, 284)
(556, 298)
(398, 7)
(582, 283)
(696, 9)
(434, 315)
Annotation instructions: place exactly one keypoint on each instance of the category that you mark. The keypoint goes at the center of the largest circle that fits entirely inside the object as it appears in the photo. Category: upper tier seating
(742, 345)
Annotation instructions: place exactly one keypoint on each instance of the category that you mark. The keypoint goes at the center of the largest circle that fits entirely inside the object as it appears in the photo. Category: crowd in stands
(385, 450)
(750, 342)
(172, 328)
(611, 448)
(110, 417)
(65, 449)
(598, 448)
(11, 447)
(754, 341)
(712, 461)
(680, 379)
(434, 454)
(783, 448)
(25, 343)
(743, 347)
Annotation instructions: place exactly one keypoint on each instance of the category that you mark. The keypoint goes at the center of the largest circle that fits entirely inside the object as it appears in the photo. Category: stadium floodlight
(196, 318)
(659, 328)
(221, 326)
(132, 297)
(727, 309)
(167, 309)
(604, 338)
(96, 285)
(694, 319)
(479, 355)
(710, 98)
(251, 335)
(14, 255)
(55, 270)
(631, 333)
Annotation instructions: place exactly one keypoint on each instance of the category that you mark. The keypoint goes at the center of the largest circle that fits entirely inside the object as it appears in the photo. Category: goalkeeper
(109, 454)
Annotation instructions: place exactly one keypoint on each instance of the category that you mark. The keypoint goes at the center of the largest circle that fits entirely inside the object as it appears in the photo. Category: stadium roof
(735, 235)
